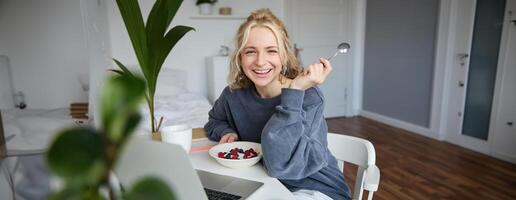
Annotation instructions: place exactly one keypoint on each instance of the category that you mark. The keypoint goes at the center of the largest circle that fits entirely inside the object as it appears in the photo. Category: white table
(272, 188)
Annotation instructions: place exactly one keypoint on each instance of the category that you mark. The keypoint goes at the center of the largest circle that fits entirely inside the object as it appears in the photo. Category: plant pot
(205, 9)
(178, 134)
(156, 136)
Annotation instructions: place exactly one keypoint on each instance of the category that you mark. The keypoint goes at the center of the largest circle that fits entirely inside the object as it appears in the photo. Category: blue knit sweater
(292, 131)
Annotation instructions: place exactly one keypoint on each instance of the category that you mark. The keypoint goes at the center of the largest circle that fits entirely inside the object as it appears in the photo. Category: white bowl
(241, 163)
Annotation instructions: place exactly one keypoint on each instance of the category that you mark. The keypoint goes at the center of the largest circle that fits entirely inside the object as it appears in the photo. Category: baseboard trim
(505, 157)
(399, 124)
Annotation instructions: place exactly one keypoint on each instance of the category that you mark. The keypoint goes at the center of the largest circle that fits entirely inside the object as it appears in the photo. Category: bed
(27, 133)
(31, 130)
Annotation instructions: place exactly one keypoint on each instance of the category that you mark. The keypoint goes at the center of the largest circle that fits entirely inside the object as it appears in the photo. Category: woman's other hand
(313, 75)
(228, 138)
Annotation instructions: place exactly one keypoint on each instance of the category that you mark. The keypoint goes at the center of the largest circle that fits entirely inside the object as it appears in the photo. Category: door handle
(462, 56)
(461, 83)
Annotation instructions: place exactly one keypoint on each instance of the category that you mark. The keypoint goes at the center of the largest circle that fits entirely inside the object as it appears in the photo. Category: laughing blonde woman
(274, 101)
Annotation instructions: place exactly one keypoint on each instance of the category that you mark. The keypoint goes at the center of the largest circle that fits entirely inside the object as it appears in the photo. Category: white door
(95, 27)
(504, 135)
(317, 27)
(477, 48)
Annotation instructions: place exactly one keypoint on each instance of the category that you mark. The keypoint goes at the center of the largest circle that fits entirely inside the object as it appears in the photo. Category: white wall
(45, 43)
(189, 54)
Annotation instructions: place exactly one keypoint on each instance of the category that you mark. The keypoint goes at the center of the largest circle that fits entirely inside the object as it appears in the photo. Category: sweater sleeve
(293, 138)
(219, 118)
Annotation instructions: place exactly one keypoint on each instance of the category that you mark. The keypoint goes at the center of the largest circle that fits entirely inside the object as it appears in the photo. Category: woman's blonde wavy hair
(262, 18)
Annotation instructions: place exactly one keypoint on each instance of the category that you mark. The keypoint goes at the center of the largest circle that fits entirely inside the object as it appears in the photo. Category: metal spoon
(342, 48)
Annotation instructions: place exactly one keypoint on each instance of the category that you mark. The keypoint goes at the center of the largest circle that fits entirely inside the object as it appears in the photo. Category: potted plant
(205, 6)
(84, 157)
(151, 43)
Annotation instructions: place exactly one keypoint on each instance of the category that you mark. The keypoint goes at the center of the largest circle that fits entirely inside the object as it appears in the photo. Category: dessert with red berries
(238, 153)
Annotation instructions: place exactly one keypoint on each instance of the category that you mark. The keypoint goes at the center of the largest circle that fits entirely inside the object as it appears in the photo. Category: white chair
(361, 153)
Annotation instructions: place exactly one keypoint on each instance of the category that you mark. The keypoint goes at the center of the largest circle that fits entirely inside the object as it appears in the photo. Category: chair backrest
(361, 153)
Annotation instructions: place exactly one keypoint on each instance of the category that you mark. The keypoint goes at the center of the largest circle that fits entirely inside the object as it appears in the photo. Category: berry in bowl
(237, 154)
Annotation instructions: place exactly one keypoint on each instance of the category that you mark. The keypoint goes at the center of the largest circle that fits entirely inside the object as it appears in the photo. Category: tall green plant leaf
(162, 50)
(157, 43)
(157, 24)
(123, 68)
(119, 72)
(172, 7)
(156, 39)
(132, 16)
(155, 30)
(170, 40)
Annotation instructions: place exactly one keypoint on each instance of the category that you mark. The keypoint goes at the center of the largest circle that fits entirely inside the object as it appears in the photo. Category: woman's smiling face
(260, 58)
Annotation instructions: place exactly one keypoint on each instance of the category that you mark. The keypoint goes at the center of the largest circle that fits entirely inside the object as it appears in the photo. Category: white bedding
(33, 129)
(181, 108)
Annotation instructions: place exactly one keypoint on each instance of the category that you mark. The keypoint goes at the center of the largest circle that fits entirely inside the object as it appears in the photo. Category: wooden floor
(417, 167)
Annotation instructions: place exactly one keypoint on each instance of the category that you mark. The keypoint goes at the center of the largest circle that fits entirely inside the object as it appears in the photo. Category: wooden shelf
(216, 16)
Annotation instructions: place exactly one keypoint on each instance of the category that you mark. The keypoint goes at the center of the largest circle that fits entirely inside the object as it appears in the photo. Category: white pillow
(165, 91)
(171, 82)
(176, 77)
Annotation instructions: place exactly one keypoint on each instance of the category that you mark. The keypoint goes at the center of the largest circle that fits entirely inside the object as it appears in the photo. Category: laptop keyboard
(217, 195)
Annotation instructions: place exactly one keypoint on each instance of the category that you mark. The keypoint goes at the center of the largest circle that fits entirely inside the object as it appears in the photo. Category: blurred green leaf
(77, 155)
(66, 193)
(120, 101)
(150, 188)
(132, 123)
(77, 193)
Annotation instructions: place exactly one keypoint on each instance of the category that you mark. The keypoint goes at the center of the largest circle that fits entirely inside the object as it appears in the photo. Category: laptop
(170, 163)
(233, 187)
